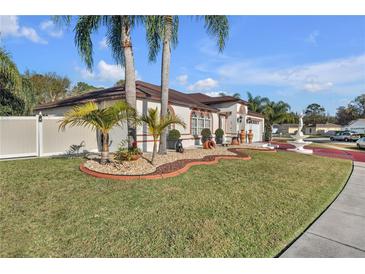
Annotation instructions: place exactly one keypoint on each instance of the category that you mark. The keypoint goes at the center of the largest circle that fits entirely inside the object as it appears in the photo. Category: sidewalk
(340, 231)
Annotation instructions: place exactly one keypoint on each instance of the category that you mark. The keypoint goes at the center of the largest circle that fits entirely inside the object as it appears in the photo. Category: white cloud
(104, 72)
(103, 43)
(182, 79)
(51, 29)
(308, 77)
(9, 27)
(203, 85)
(312, 37)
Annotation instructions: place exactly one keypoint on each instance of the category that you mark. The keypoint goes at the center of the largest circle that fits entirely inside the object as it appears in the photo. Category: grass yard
(233, 209)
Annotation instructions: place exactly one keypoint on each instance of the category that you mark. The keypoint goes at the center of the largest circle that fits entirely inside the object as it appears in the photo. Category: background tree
(354, 110)
(235, 95)
(9, 75)
(48, 87)
(163, 30)
(120, 83)
(359, 104)
(291, 118)
(275, 113)
(10, 104)
(256, 103)
(345, 115)
(314, 114)
(18, 96)
(82, 87)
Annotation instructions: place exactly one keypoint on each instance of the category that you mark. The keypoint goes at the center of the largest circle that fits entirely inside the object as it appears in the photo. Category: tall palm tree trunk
(154, 150)
(165, 74)
(105, 148)
(130, 77)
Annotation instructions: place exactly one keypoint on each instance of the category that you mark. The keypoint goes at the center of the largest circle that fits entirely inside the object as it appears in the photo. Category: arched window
(207, 121)
(194, 124)
(199, 121)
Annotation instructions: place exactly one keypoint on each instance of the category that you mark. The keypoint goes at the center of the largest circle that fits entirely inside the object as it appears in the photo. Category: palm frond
(154, 25)
(9, 74)
(84, 28)
(113, 36)
(218, 27)
(156, 124)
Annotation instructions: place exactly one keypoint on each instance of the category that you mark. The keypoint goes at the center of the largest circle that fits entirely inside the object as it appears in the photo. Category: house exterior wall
(357, 126)
(229, 124)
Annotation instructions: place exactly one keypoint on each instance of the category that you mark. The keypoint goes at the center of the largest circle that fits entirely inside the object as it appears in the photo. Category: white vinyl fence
(26, 136)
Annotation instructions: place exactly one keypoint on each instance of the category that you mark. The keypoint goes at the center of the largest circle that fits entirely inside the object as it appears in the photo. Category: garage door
(256, 130)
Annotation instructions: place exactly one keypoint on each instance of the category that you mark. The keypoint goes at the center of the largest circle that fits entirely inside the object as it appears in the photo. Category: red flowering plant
(128, 154)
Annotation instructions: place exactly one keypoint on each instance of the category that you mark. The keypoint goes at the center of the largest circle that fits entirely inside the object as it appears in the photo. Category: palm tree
(257, 103)
(275, 112)
(236, 95)
(156, 125)
(164, 29)
(101, 119)
(119, 39)
(9, 74)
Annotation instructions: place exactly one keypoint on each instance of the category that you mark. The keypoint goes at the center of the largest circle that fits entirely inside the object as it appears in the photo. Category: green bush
(219, 133)
(174, 135)
(206, 134)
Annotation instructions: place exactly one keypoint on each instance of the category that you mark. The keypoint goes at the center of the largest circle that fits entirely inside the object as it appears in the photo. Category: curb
(162, 175)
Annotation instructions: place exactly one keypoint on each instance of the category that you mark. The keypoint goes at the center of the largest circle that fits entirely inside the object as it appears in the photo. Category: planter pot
(131, 157)
(243, 136)
(171, 144)
(135, 157)
(250, 136)
(219, 140)
(235, 141)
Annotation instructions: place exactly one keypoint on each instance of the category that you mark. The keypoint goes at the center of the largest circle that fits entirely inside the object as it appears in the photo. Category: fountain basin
(299, 147)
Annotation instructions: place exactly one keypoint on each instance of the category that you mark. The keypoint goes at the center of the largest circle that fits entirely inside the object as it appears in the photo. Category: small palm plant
(157, 125)
(102, 119)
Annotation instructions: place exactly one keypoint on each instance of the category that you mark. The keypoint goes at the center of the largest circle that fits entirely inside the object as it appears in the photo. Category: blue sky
(298, 59)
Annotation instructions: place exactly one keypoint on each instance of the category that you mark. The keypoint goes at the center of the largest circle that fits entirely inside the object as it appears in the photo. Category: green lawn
(233, 209)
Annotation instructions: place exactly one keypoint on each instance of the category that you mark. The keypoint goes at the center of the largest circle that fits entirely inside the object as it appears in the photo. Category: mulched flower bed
(179, 164)
(173, 168)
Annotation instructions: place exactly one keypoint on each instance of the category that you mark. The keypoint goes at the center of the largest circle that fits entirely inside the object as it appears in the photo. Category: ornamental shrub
(219, 133)
(174, 135)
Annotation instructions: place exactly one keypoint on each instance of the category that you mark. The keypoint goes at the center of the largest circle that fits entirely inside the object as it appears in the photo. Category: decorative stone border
(161, 174)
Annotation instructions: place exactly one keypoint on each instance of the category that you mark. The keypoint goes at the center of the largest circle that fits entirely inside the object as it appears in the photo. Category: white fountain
(299, 143)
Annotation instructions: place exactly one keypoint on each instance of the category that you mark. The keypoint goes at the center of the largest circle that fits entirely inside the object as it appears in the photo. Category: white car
(361, 142)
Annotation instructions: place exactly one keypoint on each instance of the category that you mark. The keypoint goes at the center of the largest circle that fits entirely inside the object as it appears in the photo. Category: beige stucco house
(196, 109)
(356, 125)
(321, 128)
(285, 129)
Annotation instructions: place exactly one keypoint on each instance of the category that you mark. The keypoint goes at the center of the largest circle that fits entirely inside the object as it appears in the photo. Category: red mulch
(329, 152)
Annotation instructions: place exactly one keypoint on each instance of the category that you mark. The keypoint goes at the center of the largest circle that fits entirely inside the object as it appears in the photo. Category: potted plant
(172, 138)
(206, 135)
(128, 154)
(219, 136)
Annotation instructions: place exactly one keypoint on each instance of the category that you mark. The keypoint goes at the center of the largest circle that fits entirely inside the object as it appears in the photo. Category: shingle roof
(144, 91)
(209, 100)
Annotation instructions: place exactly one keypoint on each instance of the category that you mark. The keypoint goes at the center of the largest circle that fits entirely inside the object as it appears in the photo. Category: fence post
(40, 133)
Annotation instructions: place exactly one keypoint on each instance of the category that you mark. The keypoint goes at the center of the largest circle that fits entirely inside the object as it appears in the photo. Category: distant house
(285, 129)
(196, 109)
(356, 125)
(321, 128)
